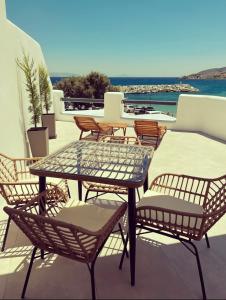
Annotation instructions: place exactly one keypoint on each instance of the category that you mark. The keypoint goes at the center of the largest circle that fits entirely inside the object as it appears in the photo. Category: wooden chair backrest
(7, 169)
(215, 204)
(47, 233)
(146, 128)
(86, 123)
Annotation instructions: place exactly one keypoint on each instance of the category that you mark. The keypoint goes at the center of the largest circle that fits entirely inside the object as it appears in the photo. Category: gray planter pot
(39, 142)
(48, 120)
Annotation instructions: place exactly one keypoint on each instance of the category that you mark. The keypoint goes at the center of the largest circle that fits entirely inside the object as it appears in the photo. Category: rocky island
(216, 73)
(146, 89)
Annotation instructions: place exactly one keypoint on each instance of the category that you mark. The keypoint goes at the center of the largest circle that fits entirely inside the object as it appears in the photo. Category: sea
(215, 87)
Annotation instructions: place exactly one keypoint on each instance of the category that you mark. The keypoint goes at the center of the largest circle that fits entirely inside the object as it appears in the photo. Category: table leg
(42, 188)
(124, 131)
(42, 184)
(79, 190)
(132, 232)
(146, 184)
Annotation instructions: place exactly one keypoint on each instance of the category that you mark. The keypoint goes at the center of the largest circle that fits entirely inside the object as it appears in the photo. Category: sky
(125, 37)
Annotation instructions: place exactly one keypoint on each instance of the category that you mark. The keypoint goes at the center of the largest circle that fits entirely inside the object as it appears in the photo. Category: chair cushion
(35, 179)
(154, 199)
(87, 216)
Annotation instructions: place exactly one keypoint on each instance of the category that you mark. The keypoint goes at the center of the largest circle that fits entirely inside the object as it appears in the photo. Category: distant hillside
(216, 73)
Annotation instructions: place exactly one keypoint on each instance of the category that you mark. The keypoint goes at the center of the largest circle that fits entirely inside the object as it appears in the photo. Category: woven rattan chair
(101, 188)
(88, 124)
(18, 186)
(184, 208)
(78, 232)
(149, 132)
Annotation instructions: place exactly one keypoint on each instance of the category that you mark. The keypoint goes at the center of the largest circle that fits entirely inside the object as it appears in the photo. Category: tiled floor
(165, 269)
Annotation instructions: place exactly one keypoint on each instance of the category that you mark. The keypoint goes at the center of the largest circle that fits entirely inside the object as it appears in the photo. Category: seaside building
(195, 144)
(14, 118)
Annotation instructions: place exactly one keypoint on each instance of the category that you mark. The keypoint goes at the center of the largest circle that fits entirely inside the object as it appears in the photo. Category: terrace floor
(165, 269)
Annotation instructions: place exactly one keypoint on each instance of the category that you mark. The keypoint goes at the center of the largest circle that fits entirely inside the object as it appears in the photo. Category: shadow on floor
(164, 271)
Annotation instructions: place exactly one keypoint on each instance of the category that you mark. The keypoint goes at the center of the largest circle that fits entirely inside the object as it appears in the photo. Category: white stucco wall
(113, 111)
(14, 116)
(206, 114)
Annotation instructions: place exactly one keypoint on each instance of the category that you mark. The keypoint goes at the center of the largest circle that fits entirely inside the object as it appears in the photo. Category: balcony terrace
(165, 269)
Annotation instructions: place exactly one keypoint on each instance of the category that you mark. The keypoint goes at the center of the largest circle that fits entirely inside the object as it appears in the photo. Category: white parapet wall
(113, 106)
(14, 115)
(202, 113)
(113, 111)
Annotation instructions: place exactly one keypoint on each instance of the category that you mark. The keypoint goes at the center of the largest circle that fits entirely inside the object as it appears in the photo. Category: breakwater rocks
(145, 89)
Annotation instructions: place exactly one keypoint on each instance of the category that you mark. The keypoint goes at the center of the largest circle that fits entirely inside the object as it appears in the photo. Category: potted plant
(48, 119)
(38, 136)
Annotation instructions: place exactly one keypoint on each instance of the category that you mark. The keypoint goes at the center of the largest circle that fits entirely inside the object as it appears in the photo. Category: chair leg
(92, 278)
(207, 241)
(6, 234)
(28, 272)
(68, 191)
(124, 252)
(86, 196)
(123, 240)
(199, 269)
(80, 137)
(138, 194)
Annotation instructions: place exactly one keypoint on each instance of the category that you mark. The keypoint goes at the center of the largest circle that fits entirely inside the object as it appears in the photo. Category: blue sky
(126, 37)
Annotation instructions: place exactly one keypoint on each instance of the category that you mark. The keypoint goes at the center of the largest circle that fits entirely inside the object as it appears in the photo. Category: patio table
(116, 125)
(110, 163)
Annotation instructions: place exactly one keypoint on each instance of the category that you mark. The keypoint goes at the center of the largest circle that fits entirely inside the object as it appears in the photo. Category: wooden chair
(88, 124)
(184, 208)
(18, 186)
(78, 232)
(101, 188)
(149, 132)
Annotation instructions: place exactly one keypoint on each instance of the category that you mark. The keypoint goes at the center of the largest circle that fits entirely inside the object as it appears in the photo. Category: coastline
(215, 87)
(157, 88)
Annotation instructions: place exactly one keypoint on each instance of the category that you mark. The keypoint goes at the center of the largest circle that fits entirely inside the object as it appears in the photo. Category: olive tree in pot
(48, 119)
(38, 136)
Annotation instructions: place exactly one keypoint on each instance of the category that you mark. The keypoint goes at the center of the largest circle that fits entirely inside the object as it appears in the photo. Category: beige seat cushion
(35, 179)
(154, 200)
(85, 215)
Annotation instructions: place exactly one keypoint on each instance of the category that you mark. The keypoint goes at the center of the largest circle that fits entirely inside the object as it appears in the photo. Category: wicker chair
(88, 124)
(149, 132)
(184, 208)
(101, 188)
(78, 232)
(18, 186)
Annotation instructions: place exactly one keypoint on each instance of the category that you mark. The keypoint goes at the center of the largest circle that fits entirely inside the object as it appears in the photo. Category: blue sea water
(206, 87)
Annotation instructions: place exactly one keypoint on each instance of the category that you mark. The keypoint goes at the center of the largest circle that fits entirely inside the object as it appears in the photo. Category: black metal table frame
(131, 214)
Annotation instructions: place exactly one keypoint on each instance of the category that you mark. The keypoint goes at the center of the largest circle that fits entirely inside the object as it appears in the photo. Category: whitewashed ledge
(110, 113)
(128, 118)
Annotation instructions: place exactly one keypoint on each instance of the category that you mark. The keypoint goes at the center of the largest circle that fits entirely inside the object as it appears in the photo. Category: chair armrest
(189, 188)
(17, 193)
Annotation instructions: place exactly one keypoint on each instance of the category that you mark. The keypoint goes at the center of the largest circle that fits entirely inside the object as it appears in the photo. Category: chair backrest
(215, 204)
(17, 184)
(53, 235)
(86, 123)
(7, 169)
(148, 128)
